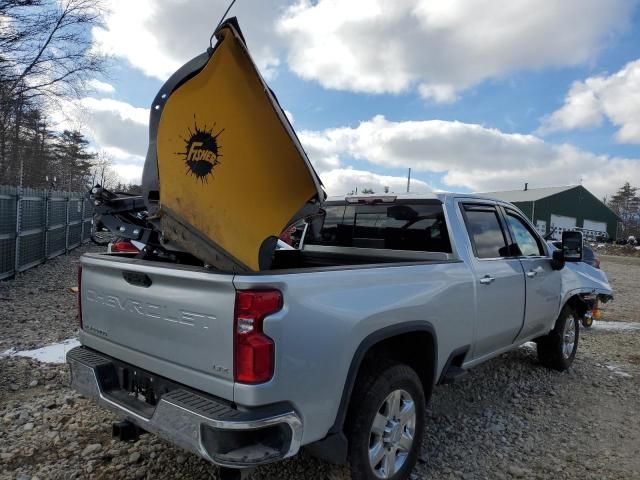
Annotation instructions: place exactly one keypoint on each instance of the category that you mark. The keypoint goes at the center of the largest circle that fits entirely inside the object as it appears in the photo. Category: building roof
(529, 195)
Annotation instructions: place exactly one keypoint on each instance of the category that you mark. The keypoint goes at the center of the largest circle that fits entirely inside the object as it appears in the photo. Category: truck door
(500, 280)
(542, 283)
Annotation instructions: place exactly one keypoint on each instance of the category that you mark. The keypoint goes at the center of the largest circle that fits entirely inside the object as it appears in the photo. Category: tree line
(46, 59)
(626, 204)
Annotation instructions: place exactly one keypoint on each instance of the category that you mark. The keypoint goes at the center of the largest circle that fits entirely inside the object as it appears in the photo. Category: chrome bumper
(196, 422)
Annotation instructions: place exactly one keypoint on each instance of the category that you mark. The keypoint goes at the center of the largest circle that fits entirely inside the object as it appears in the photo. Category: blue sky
(472, 96)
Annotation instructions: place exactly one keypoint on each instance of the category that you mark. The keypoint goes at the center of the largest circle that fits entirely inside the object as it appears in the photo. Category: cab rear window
(400, 226)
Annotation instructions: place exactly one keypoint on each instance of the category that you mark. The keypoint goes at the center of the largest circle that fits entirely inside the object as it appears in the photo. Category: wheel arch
(387, 341)
(576, 303)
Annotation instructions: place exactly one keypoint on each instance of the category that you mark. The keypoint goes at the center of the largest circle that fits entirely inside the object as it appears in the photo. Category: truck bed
(177, 321)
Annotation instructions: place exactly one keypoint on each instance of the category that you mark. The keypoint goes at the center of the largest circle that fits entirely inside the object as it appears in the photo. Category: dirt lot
(624, 275)
(510, 418)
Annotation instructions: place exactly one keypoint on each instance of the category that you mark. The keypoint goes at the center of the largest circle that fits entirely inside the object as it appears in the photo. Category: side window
(526, 243)
(485, 231)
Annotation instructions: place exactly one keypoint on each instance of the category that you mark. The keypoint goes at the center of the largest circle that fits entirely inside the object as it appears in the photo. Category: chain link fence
(36, 225)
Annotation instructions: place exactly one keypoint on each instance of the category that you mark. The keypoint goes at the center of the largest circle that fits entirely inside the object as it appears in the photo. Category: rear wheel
(385, 423)
(557, 350)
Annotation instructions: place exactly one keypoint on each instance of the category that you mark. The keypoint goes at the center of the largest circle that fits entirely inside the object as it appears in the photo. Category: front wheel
(385, 423)
(557, 350)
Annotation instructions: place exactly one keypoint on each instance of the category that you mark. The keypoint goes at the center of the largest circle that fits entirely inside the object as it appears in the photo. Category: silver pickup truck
(225, 345)
(338, 346)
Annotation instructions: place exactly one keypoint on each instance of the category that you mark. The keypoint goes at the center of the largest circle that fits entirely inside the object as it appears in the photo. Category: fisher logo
(202, 151)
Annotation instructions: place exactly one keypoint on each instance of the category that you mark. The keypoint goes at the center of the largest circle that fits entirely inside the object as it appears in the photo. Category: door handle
(486, 280)
(534, 272)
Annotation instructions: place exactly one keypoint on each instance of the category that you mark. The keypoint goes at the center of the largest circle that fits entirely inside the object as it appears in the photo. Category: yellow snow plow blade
(231, 171)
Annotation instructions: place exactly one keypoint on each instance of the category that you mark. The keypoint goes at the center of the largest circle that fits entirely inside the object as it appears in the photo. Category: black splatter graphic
(202, 151)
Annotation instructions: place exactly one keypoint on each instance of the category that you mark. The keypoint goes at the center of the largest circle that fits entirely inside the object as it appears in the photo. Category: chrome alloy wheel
(568, 336)
(391, 435)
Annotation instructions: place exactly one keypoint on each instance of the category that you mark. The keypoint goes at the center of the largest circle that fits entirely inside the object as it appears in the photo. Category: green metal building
(562, 208)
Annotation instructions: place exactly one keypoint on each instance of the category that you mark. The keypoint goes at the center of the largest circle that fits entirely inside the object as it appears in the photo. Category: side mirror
(572, 246)
(557, 260)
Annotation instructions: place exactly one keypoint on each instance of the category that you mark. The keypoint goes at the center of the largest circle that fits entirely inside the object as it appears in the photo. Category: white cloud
(158, 36)
(379, 46)
(115, 124)
(342, 181)
(123, 110)
(289, 116)
(114, 127)
(100, 86)
(373, 46)
(321, 149)
(615, 97)
(468, 155)
(441, 93)
(129, 172)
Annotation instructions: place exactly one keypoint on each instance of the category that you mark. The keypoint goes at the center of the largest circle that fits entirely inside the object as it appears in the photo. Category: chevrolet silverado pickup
(243, 353)
(339, 345)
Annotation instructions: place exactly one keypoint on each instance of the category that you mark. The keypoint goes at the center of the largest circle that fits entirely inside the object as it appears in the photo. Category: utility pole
(409, 180)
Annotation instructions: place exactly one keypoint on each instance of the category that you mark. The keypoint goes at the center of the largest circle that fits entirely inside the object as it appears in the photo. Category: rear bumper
(211, 428)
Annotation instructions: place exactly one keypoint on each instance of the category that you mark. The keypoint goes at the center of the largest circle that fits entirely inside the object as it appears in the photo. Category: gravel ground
(624, 275)
(38, 306)
(510, 418)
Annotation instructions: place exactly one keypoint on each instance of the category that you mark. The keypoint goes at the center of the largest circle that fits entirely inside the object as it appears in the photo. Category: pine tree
(626, 204)
(73, 161)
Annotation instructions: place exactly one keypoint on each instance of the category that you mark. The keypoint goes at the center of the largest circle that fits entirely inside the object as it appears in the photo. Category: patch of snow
(55, 353)
(530, 345)
(616, 370)
(615, 326)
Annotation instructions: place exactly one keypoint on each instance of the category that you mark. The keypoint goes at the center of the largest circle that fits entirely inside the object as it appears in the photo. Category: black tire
(374, 386)
(555, 350)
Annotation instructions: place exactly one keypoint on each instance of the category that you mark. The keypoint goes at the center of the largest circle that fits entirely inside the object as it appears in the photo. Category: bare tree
(102, 171)
(46, 56)
(47, 47)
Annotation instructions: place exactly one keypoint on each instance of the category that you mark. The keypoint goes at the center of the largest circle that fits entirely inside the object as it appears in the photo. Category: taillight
(124, 246)
(80, 295)
(254, 351)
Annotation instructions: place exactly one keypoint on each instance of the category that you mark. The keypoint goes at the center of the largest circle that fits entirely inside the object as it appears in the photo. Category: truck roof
(442, 196)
